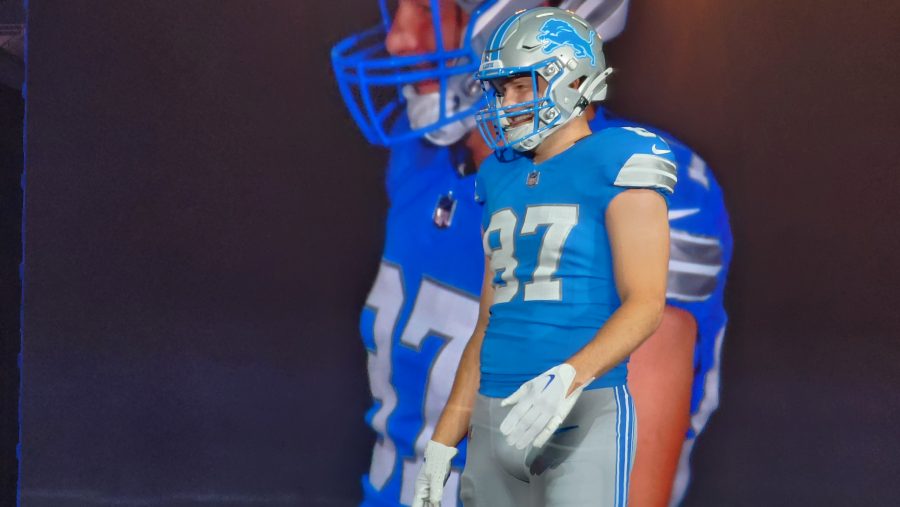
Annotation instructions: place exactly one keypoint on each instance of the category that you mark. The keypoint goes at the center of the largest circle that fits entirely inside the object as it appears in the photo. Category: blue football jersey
(419, 313)
(545, 233)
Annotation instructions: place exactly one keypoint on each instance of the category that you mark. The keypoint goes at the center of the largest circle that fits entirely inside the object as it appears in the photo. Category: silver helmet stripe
(606, 16)
(489, 15)
(493, 17)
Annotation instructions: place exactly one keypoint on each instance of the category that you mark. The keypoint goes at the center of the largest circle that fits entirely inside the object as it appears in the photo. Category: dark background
(12, 114)
(203, 221)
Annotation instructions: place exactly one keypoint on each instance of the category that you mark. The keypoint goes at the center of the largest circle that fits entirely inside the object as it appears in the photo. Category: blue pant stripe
(629, 443)
(621, 446)
(618, 425)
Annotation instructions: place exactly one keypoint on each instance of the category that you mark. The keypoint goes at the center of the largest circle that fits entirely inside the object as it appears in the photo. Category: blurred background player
(408, 83)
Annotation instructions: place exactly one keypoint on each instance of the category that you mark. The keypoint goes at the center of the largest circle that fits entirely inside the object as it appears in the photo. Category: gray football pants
(586, 463)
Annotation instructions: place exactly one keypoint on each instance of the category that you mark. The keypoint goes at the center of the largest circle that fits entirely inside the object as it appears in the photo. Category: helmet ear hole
(578, 83)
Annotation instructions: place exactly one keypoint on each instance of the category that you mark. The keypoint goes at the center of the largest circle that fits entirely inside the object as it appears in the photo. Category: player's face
(413, 31)
(518, 90)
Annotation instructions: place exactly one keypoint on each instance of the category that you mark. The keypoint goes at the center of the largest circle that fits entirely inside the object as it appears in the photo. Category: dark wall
(794, 105)
(12, 113)
(203, 221)
(203, 225)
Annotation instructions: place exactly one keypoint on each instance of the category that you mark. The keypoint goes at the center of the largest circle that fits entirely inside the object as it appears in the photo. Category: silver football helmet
(545, 43)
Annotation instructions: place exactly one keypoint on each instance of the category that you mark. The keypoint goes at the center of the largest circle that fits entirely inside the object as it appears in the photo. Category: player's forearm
(632, 323)
(454, 421)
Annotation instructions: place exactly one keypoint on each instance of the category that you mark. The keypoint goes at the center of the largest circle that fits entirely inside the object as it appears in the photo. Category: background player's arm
(660, 375)
(454, 421)
(638, 227)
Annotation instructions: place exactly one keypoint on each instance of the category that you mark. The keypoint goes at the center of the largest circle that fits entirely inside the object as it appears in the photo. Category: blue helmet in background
(379, 88)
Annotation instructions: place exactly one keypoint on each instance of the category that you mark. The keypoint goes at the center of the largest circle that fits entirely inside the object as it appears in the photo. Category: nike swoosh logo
(675, 214)
(657, 151)
(563, 430)
(552, 376)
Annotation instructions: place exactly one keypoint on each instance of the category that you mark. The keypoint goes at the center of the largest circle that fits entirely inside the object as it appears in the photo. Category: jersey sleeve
(642, 160)
(700, 252)
(701, 242)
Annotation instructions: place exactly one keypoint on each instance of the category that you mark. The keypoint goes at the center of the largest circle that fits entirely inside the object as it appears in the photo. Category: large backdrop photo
(203, 221)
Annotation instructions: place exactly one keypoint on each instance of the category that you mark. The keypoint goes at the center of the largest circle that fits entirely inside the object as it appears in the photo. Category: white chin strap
(424, 110)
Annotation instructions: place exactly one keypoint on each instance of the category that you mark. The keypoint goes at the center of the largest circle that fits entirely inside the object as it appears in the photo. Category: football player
(408, 84)
(576, 239)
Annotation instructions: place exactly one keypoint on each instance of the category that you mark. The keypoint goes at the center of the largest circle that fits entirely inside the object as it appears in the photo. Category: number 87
(542, 287)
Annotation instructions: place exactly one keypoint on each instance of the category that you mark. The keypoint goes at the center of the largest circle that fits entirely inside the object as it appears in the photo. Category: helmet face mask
(518, 125)
(379, 87)
(372, 81)
(548, 44)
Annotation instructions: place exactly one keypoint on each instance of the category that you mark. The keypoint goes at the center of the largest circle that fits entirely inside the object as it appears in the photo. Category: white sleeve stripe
(686, 298)
(643, 181)
(675, 214)
(648, 160)
(644, 170)
(693, 268)
(691, 238)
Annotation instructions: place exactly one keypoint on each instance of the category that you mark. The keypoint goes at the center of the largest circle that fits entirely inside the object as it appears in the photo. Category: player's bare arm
(638, 228)
(454, 421)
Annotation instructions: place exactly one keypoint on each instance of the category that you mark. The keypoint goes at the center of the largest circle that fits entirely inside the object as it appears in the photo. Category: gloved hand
(433, 474)
(541, 405)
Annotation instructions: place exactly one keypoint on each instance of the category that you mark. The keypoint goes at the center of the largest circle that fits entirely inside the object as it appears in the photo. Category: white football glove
(433, 474)
(541, 405)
